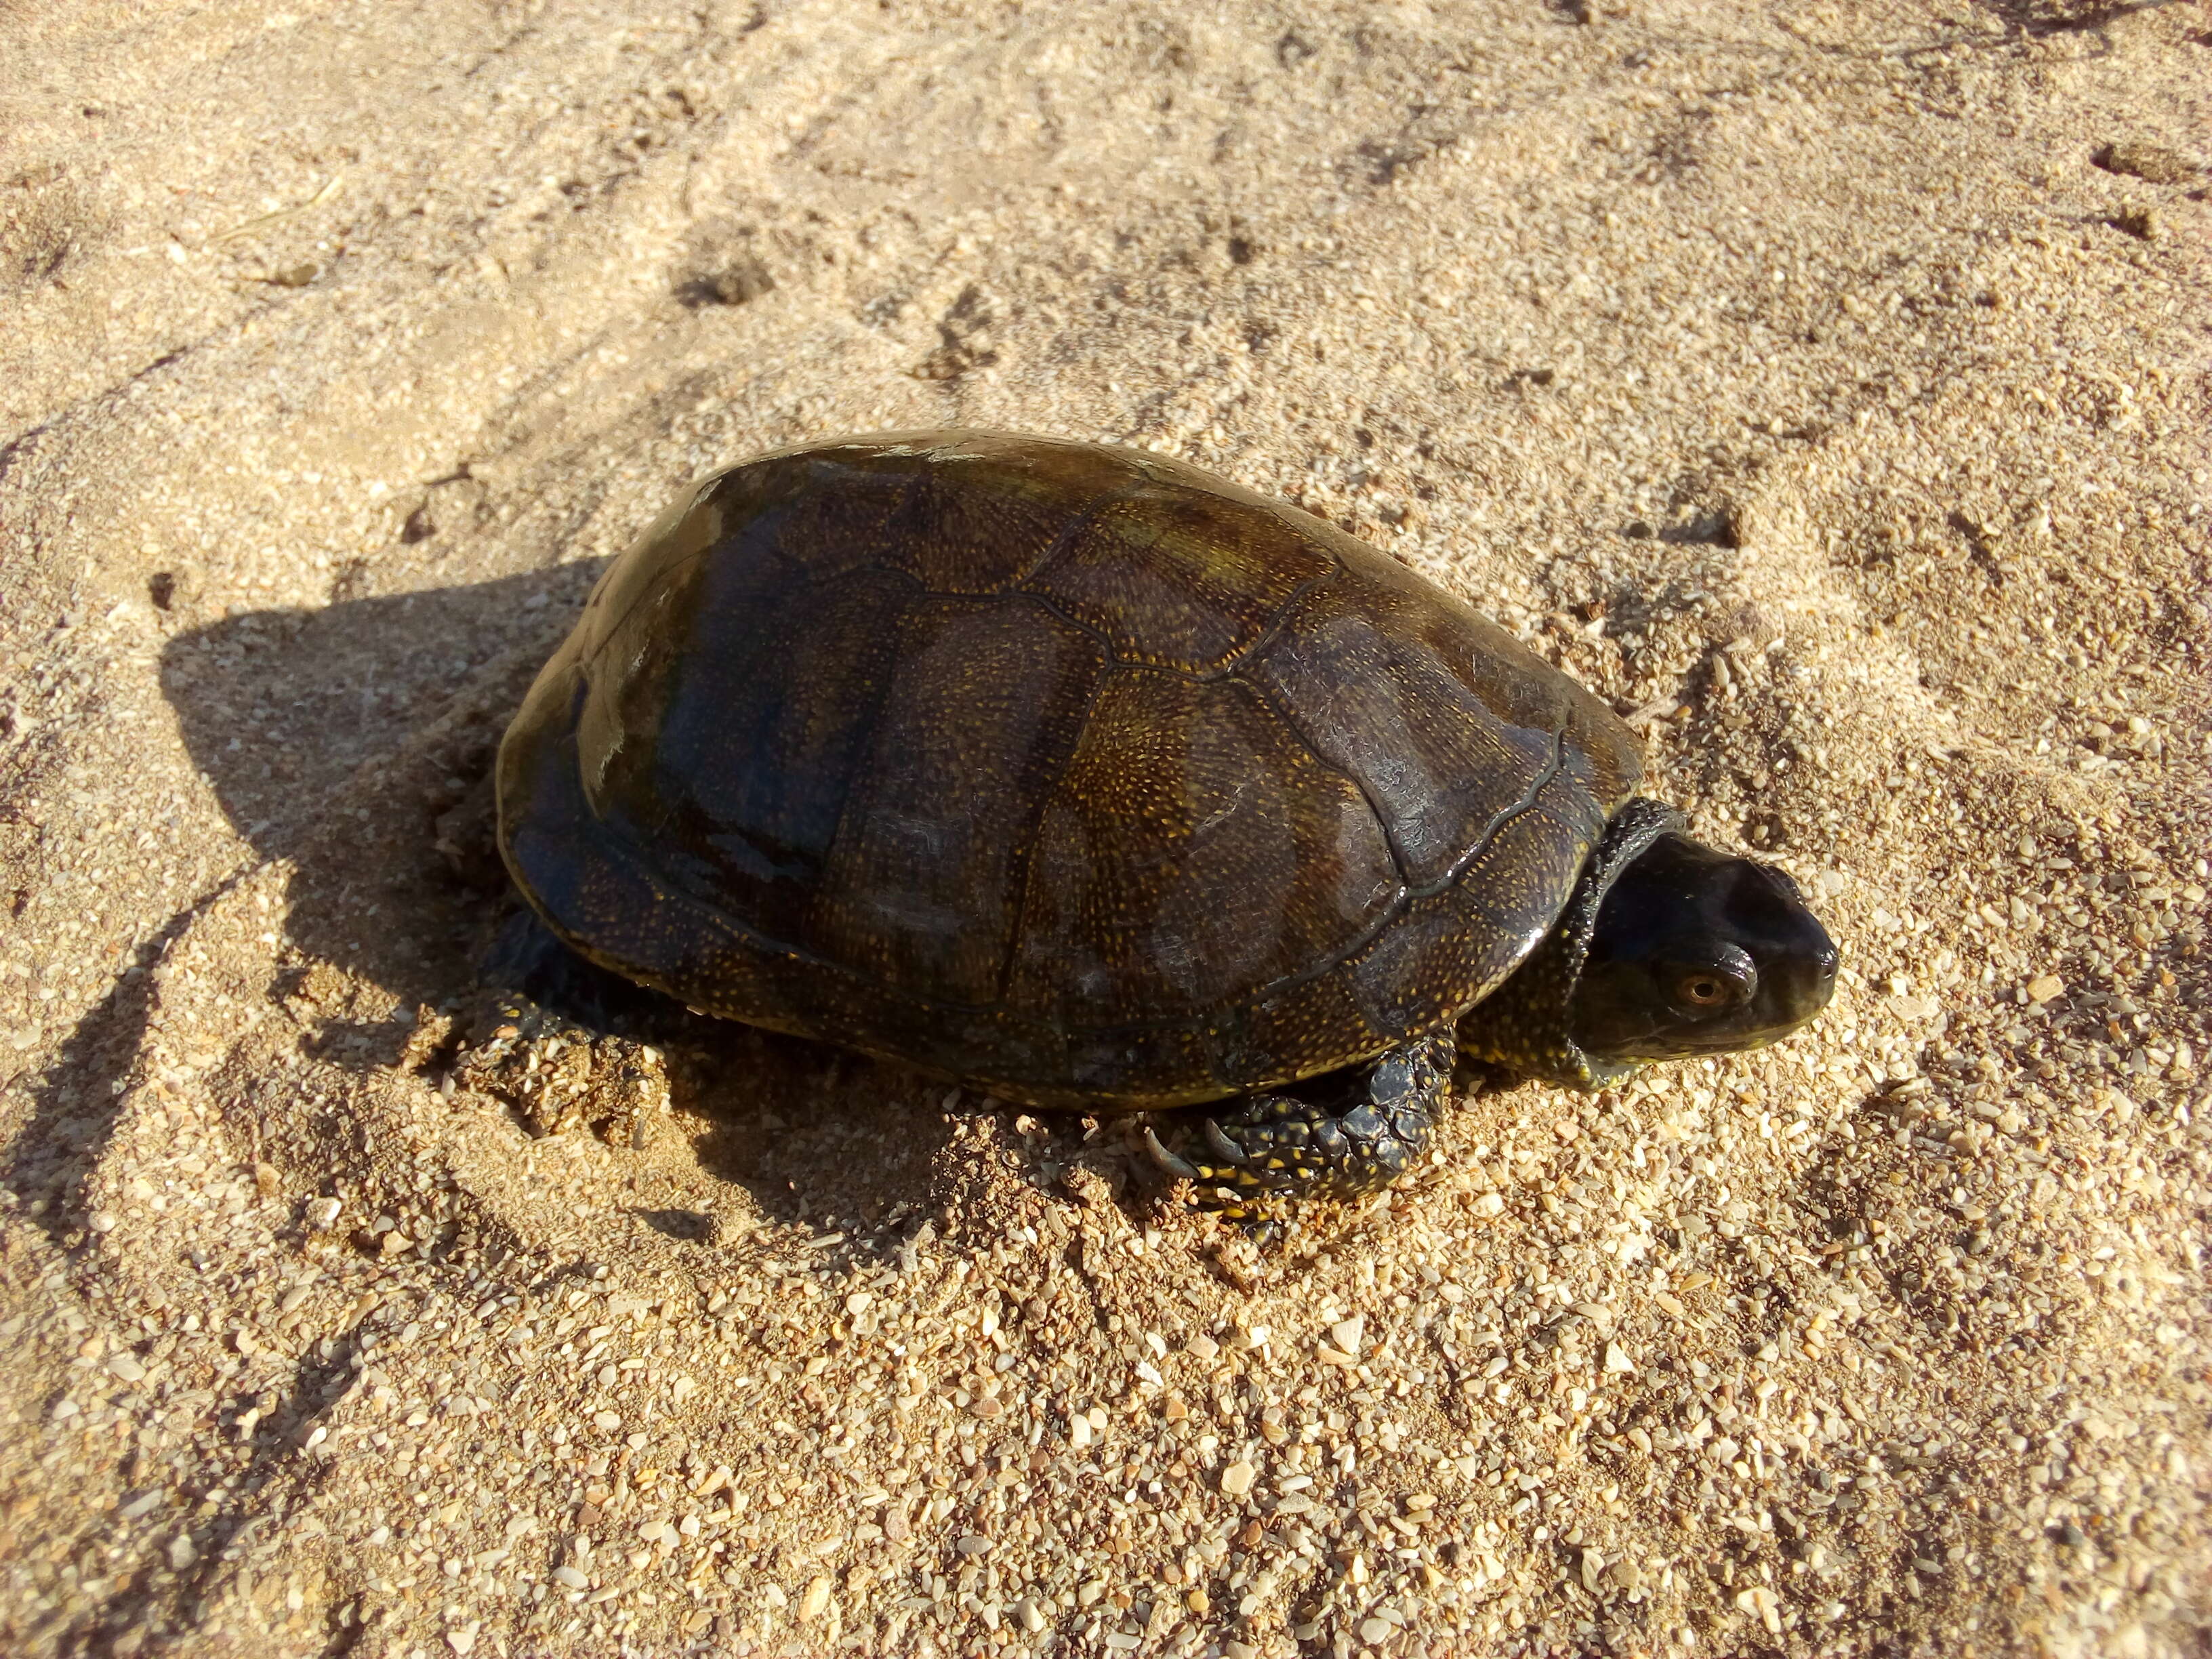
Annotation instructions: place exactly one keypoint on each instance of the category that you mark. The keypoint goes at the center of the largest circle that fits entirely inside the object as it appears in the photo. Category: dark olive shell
(1070, 771)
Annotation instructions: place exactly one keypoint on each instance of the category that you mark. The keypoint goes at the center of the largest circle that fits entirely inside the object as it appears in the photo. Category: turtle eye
(1723, 979)
(1702, 990)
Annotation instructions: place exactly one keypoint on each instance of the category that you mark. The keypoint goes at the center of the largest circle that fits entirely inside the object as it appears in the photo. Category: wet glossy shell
(1070, 771)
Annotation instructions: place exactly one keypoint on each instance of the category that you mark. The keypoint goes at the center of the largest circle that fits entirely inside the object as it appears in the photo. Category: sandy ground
(1796, 376)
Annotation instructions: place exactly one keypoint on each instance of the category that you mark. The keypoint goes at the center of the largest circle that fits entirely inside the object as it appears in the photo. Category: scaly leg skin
(562, 1040)
(1343, 1136)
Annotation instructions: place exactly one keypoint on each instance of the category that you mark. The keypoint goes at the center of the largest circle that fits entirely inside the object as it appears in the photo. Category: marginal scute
(1098, 1062)
(1066, 770)
(1416, 973)
(1294, 1031)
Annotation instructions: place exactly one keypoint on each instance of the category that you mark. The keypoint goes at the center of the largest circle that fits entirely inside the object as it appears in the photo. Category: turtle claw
(1224, 1147)
(1182, 1169)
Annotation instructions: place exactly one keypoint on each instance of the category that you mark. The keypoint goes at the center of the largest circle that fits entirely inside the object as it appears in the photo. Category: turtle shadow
(839, 1143)
(825, 1140)
(287, 714)
(74, 1105)
(355, 743)
(345, 739)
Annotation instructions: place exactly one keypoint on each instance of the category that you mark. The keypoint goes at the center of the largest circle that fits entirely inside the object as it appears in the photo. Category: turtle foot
(1342, 1136)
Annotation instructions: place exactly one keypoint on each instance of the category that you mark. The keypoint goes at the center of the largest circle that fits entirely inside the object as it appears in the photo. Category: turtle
(1091, 780)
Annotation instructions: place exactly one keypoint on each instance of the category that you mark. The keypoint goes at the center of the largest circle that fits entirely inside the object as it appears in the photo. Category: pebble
(1237, 1478)
(816, 1599)
(2141, 220)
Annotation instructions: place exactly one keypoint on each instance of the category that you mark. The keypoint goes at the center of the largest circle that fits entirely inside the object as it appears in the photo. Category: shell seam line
(1113, 660)
(1026, 850)
(875, 719)
(1374, 808)
(1065, 539)
(1268, 636)
(702, 490)
(645, 597)
(1496, 827)
(1228, 669)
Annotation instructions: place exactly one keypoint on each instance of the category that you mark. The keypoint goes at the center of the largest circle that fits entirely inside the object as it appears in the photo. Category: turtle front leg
(1342, 1136)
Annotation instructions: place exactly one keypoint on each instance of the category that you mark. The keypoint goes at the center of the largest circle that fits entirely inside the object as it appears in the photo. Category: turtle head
(1695, 952)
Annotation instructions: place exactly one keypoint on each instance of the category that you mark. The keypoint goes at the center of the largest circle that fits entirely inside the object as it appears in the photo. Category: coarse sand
(1823, 384)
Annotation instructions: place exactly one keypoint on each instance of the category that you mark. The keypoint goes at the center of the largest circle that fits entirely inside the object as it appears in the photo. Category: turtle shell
(1070, 771)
